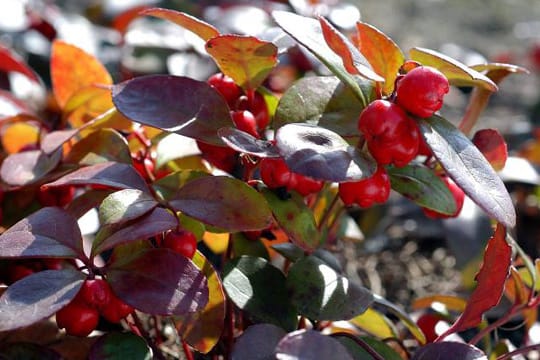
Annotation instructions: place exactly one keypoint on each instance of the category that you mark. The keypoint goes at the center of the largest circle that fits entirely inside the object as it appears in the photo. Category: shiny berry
(144, 166)
(182, 242)
(366, 192)
(459, 198)
(275, 174)
(116, 309)
(421, 91)
(222, 157)
(226, 86)
(95, 293)
(245, 121)
(428, 323)
(305, 185)
(392, 136)
(258, 107)
(77, 318)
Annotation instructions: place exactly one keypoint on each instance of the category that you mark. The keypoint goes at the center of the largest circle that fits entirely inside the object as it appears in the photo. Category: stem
(523, 350)
(513, 310)
(187, 351)
(531, 268)
(477, 103)
(375, 355)
(328, 212)
(144, 334)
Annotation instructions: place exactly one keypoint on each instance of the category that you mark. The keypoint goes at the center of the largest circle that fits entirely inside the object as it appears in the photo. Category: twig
(523, 350)
(375, 355)
(503, 320)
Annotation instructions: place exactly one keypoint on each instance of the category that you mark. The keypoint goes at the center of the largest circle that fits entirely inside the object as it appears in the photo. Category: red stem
(187, 351)
(375, 355)
(511, 312)
(523, 350)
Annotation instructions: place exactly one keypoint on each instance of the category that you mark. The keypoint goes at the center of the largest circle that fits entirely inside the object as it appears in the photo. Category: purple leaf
(159, 282)
(310, 345)
(49, 232)
(26, 167)
(37, 297)
(54, 140)
(449, 351)
(243, 142)
(258, 342)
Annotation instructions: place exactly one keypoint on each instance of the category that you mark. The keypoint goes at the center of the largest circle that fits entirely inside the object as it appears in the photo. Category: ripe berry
(459, 198)
(182, 242)
(95, 293)
(392, 136)
(57, 196)
(144, 166)
(421, 91)
(245, 121)
(275, 174)
(116, 309)
(222, 157)
(366, 192)
(305, 185)
(428, 323)
(226, 86)
(77, 318)
(260, 110)
(17, 272)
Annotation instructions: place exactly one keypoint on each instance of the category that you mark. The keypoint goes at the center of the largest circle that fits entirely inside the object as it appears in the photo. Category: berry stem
(477, 103)
(374, 355)
(514, 310)
(523, 350)
(328, 212)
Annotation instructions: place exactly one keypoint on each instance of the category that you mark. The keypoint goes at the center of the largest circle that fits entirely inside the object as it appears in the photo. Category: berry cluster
(182, 242)
(391, 133)
(275, 174)
(81, 316)
(13, 271)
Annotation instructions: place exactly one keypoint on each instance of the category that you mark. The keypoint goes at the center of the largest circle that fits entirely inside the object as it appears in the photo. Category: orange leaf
(16, 135)
(381, 52)
(121, 22)
(246, 59)
(73, 69)
(204, 30)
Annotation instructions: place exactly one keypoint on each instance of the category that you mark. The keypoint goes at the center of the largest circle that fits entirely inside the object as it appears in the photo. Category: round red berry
(221, 157)
(459, 198)
(245, 121)
(428, 323)
(226, 86)
(366, 192)
(116, 309)
(258, 107)
(275, 174)
(77, 318)
(421, 91)
(392, 136)
(305, 185)
(182, 242)
(95, 293)
(17, 272)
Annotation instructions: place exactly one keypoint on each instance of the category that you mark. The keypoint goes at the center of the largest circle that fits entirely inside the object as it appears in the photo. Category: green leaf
(125, 205)
(321, 293)
(424, 187)
(403, 316)
(289, 251)
(469, 169)
(295, 218)
(118, 346)
(224, 202)
(246, 59)
(258, 288)
(100, 146)
(324, 101)
(244, 246)
(358, 353)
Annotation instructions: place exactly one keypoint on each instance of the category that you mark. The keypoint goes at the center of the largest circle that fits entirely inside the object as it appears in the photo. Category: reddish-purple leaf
(310, 345)
(50, 231)
(54, 140)
(174, 103)
(100, 146)
(243, 142)
(491, 278)
(10, 61)
(449, 350)
(202, 29)
(491, 144)
(26, 167)
(111, 174)
(353, 61)
(87, 201)
(159, 282)
(37, 297)
(156, 222)
(258, 342)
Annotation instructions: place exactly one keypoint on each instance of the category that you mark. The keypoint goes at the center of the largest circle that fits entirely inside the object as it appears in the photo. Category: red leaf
(492, 145)
(10, 61)
(491, 279)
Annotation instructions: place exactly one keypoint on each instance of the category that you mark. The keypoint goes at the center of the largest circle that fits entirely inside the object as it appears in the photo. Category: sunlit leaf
(492, 145)
(17, 135)
(202, 29)
(168, 187)
(28, 167)
(403, 316)
(10, 61)
(310, 345)
(375, 323)
(452, 303)
(98, 147)
(54, 140)
(125, 205)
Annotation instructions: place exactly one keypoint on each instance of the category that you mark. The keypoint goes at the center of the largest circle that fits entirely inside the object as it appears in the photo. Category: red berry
(56, 196)
(95, 293)
(275, 174)
(116, 309)
(52, 263)
(226, 86)
(182, 242)
(260, 110)
(427, 323)
(459, 198)
(222, 157)
(77, 318)
(366, 192)
(144, 166)
(245, 121)
(392, 136)
(305, 185)
(17, 272)
(421, 91)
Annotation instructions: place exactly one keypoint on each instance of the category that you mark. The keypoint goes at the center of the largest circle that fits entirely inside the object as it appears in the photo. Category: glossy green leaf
(295, 218)
(424, 187)
(257, 287)
(118, 346)
(86, 201)
(358, 352)
(203, 329)
(246, 59)
(466, 165)
(173, 103)
(125, 205)
(202, 29)
(100, 146)
(224, 202)
(321, 293)
(37, 297)
(244, 246)
(323, 101)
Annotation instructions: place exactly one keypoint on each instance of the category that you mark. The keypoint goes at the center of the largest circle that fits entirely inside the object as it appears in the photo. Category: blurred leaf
(258, 342)
(310, 345)
(353, 61)
(321, 154)
(28, 167)
(174, 146)
(375, 324)
(323, 101)
(51, 291)
(492, 145)
(173, 103)
(98, 147)
(252, 247)
(497, 71)
(490, 278)
(468, 168)
(381, 52)
(289, 251)
(125, 205)
(118, 346)
(295, 218)
(246, 59)
(27, 351)
(16, 135)
(258, 288)
(203, 329)
(449, 350)
(224, 202)
(358, 353)
(403, 316)
(202, 29)
(12, 107)
(457, 73)
(159, 282)
(424, 187)
(11, 61)
(54, 140)
(73, 69)
(321, 293)
(49, 232)
(246, 143)
(452, 303)
(216, 242)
